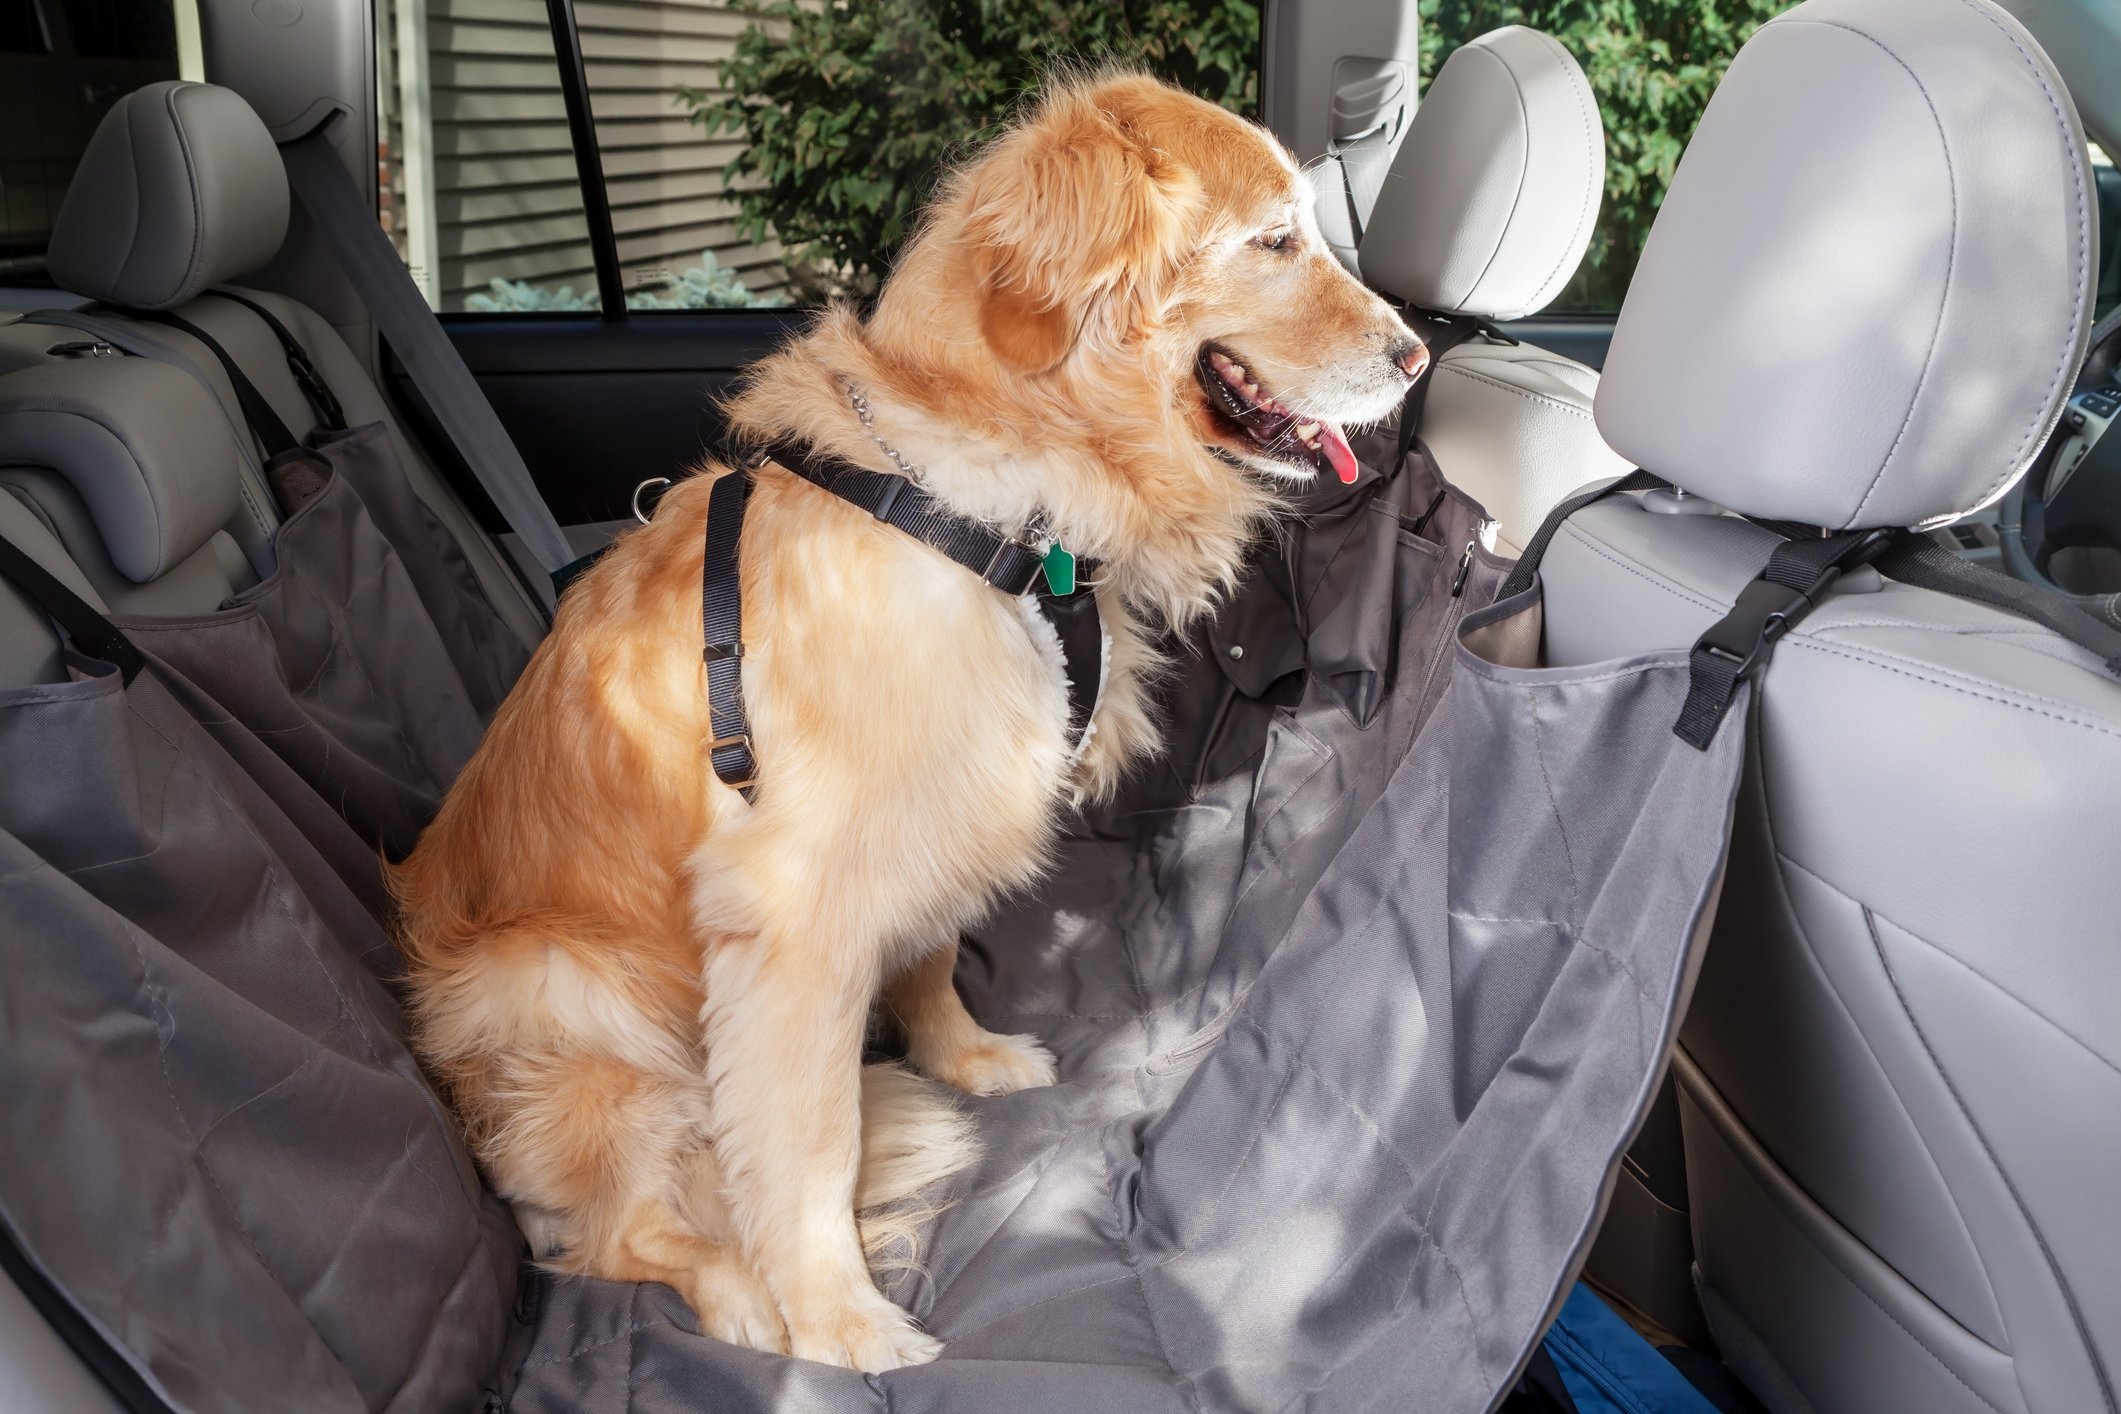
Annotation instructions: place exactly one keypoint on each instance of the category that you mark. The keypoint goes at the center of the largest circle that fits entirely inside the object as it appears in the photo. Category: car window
(1653, 65)
(750, 155)
(63, 63)
(479, 189)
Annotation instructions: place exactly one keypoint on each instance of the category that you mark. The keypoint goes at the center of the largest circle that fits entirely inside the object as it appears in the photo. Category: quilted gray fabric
(1358, 999)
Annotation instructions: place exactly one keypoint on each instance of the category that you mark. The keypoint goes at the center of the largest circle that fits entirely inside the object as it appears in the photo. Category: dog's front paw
(734, 1305)
(991, 1065)
(867, 1334)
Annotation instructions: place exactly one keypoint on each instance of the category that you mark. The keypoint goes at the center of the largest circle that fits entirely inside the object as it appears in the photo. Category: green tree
(849, 112)
(1653, 65)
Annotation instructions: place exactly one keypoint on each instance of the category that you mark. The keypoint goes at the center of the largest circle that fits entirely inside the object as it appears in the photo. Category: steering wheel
(2072, 494)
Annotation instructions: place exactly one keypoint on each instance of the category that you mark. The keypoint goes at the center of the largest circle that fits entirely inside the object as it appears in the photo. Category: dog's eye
(1277, 240)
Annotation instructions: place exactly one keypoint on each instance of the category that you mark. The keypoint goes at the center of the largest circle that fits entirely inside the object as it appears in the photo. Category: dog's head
(1129, 250)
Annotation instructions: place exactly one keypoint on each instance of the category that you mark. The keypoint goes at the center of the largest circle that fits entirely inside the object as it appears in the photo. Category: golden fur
(647, 998)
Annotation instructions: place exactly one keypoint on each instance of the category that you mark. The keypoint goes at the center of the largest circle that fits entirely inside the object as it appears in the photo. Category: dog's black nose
(1410, 357)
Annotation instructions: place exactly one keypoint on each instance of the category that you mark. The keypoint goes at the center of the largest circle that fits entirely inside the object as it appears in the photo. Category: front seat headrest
(1493, 194)
(180, 189)
(1868, 290)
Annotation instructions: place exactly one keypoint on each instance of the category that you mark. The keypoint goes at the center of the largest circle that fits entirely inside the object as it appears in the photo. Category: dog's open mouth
(1236, 400)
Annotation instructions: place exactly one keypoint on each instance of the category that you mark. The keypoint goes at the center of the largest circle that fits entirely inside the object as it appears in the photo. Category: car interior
(1880, 1172)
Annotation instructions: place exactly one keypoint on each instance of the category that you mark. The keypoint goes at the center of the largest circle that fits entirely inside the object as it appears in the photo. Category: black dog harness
(1010, 564)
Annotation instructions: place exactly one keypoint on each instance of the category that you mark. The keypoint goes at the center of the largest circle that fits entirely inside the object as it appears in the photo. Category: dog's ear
(1076, 220)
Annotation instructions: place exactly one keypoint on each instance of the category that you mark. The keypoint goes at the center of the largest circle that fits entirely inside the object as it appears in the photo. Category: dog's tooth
(1252, 390)
(1235, 370)
(1307, 430)
(1219, 360)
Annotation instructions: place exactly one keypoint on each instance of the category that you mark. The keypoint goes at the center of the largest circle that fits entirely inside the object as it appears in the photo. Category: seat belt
(326, 190)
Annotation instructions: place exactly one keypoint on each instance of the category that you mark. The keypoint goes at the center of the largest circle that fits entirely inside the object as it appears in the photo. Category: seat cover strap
(92, 633)
(1737, 646)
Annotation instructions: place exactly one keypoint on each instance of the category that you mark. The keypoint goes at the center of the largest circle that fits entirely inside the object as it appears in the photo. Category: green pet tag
(1060, 569)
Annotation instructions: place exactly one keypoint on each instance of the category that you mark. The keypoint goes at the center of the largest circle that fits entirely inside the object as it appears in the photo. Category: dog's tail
(913, 1138)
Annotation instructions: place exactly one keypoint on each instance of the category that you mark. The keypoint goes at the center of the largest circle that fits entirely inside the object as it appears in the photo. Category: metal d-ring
(639, 514)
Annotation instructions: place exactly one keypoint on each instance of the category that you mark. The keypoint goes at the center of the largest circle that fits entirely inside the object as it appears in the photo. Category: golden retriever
(648, 997)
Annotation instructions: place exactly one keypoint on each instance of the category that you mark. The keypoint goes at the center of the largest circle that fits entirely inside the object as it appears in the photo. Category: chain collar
(862, 410)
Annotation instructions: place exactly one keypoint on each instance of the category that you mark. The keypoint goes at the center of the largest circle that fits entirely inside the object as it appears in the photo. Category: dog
(647, 996)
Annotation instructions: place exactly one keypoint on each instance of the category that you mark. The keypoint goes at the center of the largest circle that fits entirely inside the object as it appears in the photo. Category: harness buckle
(742, 739)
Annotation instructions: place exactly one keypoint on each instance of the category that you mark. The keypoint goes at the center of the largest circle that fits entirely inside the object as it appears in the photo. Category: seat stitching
(1930, 678)
(1589, 188)
(1951, 265)
(1552, 402)
(1568, 857)
(1868, 656)
(198, 195)
(1516, 197)
(1946, 952)
(1141, 1288)
(1599, 549)
(2069, 1295)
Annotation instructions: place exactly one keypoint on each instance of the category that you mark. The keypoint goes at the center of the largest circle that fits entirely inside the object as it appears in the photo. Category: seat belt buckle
(1763, 612)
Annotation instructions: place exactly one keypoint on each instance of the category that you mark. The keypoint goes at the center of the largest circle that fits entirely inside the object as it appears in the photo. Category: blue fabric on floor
(1609, 1369)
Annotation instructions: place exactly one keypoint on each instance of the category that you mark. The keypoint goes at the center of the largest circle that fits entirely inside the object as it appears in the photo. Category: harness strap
(722, 622)
(1008, 564)
(94, 634)
(1737, 646)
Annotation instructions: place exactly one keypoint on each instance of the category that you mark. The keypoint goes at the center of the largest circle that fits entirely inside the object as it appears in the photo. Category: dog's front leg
(943, 1041)
(785, 1018)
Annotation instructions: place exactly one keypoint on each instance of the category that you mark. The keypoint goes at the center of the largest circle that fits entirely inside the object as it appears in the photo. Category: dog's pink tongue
(1338, 452)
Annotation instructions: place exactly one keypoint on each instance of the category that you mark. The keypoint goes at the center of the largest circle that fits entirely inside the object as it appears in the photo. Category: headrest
(141, 443)
(1868, 290)
(180, 189)
(1492, 197)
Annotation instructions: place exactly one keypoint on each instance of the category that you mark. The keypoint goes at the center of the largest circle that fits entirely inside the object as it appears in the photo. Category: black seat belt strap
(92, 633)
(322, 401)
(1737, 646)
(326, 190)
(722, 622)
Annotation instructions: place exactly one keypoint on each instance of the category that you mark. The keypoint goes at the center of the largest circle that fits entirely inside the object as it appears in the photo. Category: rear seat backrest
(131, 467)
(1487, 213)
(182, 190)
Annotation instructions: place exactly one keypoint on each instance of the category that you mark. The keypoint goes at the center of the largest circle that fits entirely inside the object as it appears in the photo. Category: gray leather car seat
(1487, 212)
(181, 191)
(1862, 305)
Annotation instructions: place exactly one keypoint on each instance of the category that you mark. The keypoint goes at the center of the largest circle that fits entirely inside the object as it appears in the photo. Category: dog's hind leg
(786, 1013)
(615, 1164)
(943, 1041)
